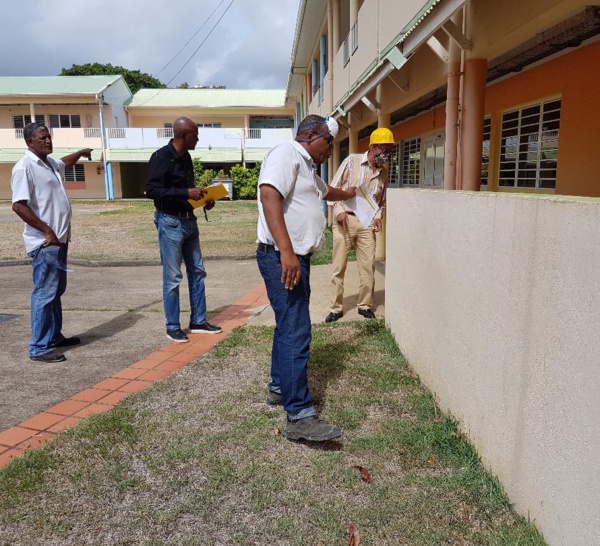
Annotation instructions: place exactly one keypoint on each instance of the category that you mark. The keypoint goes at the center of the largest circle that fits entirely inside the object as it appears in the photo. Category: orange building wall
(576, 78)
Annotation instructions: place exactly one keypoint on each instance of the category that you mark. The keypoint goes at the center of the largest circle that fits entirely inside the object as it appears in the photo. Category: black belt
(179, 214)
(262, 247)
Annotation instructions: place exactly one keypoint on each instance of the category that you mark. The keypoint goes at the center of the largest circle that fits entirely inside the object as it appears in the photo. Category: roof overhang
(308, 30)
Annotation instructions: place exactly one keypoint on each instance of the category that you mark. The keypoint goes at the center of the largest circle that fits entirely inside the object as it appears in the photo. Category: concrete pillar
(335, 38)
(330, 54)
(452, 112)
(353, 12)
(473, 110)
(32, 112)
(383, 120)
(353, 141)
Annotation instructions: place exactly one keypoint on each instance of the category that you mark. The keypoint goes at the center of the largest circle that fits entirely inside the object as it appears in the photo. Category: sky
(249, 48)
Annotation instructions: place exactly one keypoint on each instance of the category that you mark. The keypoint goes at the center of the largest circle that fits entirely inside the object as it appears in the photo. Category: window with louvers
(21, 120)
(76, 173)
(529, 151)
(65, 120)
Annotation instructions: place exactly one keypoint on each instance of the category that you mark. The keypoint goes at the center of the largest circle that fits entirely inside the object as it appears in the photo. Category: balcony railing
(151, 137)
(88, 137)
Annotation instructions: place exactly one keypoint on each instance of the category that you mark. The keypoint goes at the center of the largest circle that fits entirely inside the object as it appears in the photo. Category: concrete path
(117, 311)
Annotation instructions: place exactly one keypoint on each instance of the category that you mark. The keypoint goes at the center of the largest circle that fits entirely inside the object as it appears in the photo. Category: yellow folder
(214, 192)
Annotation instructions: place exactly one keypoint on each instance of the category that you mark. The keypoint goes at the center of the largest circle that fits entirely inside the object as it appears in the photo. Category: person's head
(316, 134)
(381, 146)
(185, 134)
(38, 139)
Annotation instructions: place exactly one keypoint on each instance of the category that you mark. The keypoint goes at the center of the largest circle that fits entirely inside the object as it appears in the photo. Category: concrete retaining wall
(495, 300)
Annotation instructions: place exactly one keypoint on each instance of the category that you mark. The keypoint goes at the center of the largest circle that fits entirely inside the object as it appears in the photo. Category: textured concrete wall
(495, 300)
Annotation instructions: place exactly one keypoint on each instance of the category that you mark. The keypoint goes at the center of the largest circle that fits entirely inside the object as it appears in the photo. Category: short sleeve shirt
(290, 170)
(41, 185)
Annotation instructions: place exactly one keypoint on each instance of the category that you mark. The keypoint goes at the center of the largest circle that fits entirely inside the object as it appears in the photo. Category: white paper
(363, 205)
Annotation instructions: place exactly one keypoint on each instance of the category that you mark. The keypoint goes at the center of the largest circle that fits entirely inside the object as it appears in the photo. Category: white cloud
(250, 48)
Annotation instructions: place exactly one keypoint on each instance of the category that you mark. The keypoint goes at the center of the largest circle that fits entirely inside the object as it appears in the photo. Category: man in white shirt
(290, 229)
(40, 200)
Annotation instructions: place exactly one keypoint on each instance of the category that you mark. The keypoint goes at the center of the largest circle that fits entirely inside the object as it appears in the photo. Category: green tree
(204, 177)
(245, 181)
(135, 79)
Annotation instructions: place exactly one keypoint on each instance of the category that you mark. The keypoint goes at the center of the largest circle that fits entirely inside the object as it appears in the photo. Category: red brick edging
(103, 396)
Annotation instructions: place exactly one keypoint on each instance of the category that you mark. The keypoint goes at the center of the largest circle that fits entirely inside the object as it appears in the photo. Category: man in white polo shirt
(290, 229)
(40, 200)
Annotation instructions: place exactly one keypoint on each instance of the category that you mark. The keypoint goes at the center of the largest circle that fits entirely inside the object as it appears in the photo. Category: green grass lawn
(201, 459)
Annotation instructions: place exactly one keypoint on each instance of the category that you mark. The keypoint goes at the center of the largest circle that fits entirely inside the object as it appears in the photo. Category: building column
(353, 141)
(353, 12)
(32, 112)
(473, 110)
(452, 112)
(383, 120)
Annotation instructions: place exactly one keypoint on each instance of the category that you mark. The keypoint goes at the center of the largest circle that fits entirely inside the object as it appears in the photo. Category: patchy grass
(201, 459)
(124, 230)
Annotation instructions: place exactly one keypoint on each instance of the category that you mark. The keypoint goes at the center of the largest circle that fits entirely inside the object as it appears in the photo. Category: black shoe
(66, 342)
(311, 429)
(274, 398)
(204, 328)
(178, 336)
(367, 313)
(49, 358)
(332, 317)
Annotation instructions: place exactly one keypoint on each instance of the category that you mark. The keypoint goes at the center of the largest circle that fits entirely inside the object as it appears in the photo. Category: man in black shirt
(171, 184)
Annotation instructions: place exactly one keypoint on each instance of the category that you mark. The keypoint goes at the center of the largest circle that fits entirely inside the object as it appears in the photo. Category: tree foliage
(135, 79)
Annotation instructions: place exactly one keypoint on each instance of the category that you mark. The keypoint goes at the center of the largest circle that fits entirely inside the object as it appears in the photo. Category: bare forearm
(337, 194)
(71, 159)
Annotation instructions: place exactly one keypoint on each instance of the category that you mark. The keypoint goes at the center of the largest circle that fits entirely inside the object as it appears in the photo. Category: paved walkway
(117, 311)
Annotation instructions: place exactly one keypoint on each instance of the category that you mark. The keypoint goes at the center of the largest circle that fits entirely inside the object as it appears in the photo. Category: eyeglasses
(327, 136)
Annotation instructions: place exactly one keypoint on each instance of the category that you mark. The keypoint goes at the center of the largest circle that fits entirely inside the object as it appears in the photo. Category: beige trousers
(363, 241)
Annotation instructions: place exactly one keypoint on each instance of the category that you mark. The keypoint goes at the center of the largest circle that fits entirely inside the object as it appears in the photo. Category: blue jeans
(49, 265)
(291, 340)
(179, 239)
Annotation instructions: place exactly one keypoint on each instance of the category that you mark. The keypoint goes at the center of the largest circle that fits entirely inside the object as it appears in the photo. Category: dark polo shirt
(169, 178)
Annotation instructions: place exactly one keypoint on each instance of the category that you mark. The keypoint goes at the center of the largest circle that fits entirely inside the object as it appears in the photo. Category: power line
(187, 43)
(203, 41)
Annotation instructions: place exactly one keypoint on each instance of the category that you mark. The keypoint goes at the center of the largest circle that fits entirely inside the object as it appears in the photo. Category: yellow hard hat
(381, 136)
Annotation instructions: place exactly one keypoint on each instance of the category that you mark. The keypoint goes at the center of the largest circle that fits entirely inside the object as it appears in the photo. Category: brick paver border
(103, 396)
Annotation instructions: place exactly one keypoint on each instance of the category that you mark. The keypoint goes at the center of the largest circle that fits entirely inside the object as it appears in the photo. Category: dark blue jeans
(179, 240)
(49, 264)
(291, 340)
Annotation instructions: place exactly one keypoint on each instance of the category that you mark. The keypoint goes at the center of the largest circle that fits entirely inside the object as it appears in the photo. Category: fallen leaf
(277, 432)
(354, 539)
(364, 473)
(459, 435)
(431, 461)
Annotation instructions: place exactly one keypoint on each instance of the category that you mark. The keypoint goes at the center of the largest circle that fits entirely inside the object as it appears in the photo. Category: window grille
(411, 162)
(485, 151)
(346, 51)
(529, 150)
(19, 121)
(394, 173)
(76, 173)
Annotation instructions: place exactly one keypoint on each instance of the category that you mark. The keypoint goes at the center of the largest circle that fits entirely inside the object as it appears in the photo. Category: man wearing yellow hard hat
(348, 233)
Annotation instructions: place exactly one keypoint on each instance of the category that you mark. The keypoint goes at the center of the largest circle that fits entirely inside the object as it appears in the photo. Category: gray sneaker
(274, 398)
(311, 429)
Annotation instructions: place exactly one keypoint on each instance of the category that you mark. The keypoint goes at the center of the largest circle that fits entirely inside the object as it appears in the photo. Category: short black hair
(31, 129)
